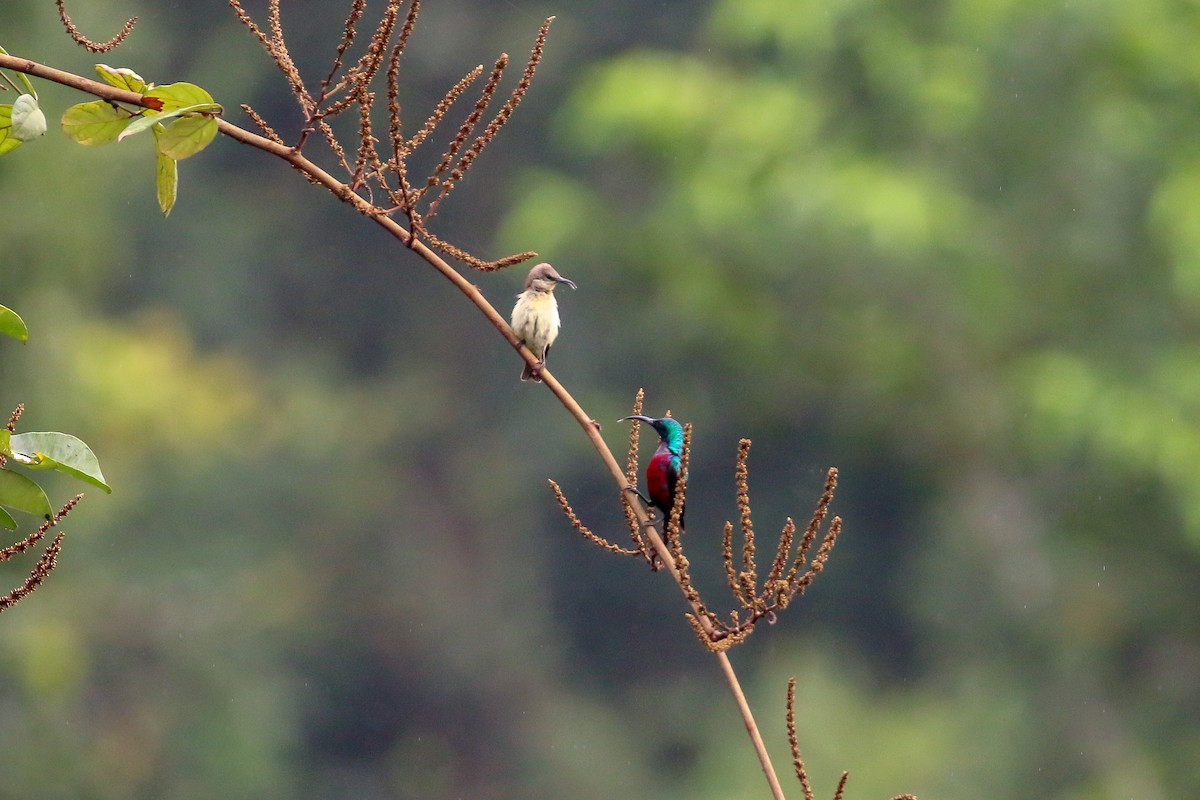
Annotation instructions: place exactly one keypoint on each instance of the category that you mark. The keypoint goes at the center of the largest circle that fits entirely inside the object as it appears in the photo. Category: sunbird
(662, 473)
(535, 316)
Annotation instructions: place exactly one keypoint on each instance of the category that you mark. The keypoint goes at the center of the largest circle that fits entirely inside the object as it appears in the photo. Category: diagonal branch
(379, 216)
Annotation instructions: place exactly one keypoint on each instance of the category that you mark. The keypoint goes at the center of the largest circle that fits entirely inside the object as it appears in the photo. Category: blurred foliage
(949, 248)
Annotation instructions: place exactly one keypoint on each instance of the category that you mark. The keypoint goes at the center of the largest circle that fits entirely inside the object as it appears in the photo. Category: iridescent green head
(668, 430)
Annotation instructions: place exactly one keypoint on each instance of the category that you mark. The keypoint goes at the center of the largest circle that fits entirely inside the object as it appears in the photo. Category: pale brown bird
(535, 316)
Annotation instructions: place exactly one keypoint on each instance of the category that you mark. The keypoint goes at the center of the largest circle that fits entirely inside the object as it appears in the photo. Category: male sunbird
(535, 316)
(662, 473)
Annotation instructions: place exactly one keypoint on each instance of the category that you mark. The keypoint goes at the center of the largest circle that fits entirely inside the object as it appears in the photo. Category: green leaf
(140, 123)
(28, 121)
(186, 137)
(17, 491)
(179, 96)
(7, 521)
(8, 143)
(58, 451)
(94, 123)
(148, 118)
(167, 181)
(12, 325)
(122, 78)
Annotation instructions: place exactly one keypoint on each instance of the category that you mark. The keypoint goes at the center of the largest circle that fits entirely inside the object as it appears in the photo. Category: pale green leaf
(187, 136)
(8, 143)
(28, 121)
(167, 181)
(11, 323)
(94, 123)
(7, 521)
(140, 123)
(176, 96)
(17, 491)
(122, 78)
(58, 451)
(148, 118)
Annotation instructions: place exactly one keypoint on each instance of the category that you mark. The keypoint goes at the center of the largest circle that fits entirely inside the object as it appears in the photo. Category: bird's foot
(645, 500)
(533, 373)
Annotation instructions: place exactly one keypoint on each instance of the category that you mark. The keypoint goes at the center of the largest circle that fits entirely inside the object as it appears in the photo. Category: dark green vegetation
(950, 248)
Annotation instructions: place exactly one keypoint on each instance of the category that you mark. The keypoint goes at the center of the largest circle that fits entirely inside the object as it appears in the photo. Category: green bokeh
(947, 248)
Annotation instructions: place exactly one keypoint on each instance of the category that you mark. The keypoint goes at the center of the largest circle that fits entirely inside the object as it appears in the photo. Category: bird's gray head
(543, 278)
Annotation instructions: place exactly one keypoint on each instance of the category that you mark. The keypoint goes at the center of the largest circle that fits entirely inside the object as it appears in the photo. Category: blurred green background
(951, 248)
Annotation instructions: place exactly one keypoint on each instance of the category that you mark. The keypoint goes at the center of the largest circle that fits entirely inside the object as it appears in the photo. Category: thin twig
(493, 127)
(797, 761)
(85, 42)
(464, 131)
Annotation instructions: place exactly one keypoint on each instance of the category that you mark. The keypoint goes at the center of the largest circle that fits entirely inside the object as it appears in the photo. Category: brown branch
(366, 139)
(731, 577)
(266, 129)
(29, 541)
(370, 62)
(493, 127)
(797, 761)
(86, 85)
(584, 530)
(395, 118)
(85, 42)
(349, 31)
(818, 562)
(747, 584)
(700, 616)
(14, 416)
(476, 263)
(814, 524)
(781, 555)
(277, 48)
(283, 58)
(406, 30)
(45, 564)
(250, 24)
(464, 132)
(442, 107)
(778, 592)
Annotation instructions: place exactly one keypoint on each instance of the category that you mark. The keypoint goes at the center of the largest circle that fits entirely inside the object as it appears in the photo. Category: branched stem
(345, 192)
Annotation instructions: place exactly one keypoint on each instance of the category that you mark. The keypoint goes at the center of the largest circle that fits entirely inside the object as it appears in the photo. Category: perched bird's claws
(645, 500)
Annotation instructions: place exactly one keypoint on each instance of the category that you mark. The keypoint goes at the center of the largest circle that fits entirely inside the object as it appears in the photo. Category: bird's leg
(645, 500)
(537, 371)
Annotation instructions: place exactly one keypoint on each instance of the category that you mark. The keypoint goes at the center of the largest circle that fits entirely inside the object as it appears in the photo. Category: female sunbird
(535, 316)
